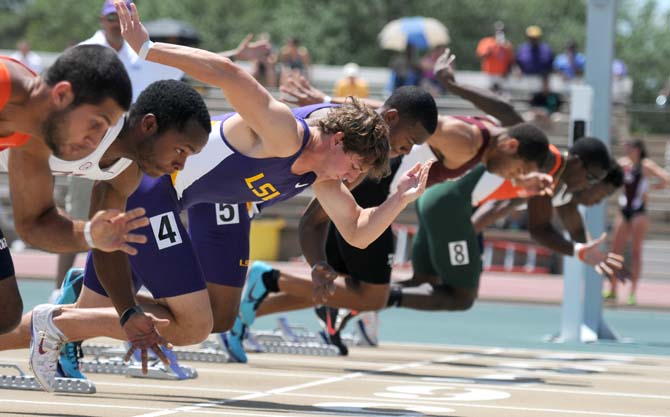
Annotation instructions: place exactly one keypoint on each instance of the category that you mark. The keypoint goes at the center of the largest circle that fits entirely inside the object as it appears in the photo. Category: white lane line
(511, 387)
(433, 401)
(282, 390)
(173, 387)
(550, 410)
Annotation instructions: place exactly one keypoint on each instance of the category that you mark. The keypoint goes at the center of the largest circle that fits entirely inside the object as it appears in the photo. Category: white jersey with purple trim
(87, 167)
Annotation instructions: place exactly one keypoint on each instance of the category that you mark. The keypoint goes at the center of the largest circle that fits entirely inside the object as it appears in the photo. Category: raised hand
(298, 91)
(413, 182)
(110, 230)
(444, 68)
(132, 29)
(323, 282)
(248, 50)
(143, 335)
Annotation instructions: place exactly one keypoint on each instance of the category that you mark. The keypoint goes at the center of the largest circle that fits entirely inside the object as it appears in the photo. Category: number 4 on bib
(458, 253)
(165, 230)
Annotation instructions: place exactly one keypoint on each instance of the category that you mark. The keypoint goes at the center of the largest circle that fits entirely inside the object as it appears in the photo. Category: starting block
(109, 360)
(293, 339)
(21, 381)
(209, 352)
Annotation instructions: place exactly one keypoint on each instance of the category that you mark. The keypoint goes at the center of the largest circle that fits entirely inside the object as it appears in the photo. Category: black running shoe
(328, 319)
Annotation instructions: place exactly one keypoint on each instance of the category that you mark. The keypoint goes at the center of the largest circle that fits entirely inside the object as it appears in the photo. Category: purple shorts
(175, 262)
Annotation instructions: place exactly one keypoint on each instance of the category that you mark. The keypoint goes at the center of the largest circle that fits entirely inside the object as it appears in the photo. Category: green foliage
(336, 32)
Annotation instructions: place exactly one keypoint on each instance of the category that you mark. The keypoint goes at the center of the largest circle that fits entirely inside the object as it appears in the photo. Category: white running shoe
(368, 328)
(45, 345)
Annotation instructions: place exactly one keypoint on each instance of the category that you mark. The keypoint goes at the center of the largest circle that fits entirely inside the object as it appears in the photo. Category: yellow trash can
(265, 239)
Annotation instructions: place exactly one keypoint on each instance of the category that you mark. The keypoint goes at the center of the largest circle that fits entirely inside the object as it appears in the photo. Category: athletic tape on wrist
(327, 99)
(579, 251)
(144, 50)
(87, 235)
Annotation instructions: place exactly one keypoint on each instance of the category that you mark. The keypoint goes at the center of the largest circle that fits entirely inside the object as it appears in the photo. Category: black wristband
(129, 313)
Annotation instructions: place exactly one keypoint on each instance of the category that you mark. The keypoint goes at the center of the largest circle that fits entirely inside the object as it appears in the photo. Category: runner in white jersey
(168, 123)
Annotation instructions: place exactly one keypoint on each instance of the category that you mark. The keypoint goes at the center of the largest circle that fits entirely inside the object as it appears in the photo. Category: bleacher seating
(323, 77)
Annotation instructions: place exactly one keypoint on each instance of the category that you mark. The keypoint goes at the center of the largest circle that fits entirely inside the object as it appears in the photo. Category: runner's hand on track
(110, 230)
(413, 182)
(132, 29)
(143, 335)
(323, 282)
(298, 91)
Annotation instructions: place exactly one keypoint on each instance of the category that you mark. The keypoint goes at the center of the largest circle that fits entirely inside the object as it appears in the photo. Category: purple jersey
(215, 249)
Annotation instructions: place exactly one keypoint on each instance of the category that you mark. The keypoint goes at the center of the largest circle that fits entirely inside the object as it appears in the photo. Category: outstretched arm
(271, 119)
(491, 211)
(542, 231)
(358, 226)
(41, 224)
(484, 100)
(297, 90)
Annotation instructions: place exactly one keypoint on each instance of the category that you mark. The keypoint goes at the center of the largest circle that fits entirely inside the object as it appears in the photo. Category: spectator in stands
(294, 58)
(27, 57)
(428, 79)
(496, 52)
(351, 84)
(633, 221)
(570, 64)
(264, 69)
(544, 103)
(405, 70)
(534, 57)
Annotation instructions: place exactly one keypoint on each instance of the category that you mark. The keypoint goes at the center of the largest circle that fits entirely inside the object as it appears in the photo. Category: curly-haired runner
(263, 154)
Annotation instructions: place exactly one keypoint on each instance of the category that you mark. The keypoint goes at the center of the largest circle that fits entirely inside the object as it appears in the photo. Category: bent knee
(192, 332)
(223, 322)
(464, 304)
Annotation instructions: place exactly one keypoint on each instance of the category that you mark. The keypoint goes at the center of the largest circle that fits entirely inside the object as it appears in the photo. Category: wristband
(129, 313)
(87, 235)
(579, 251)
(327, 99)
(144, 50)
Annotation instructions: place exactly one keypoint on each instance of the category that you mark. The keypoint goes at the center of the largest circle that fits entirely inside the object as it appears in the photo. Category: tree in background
(336, 32)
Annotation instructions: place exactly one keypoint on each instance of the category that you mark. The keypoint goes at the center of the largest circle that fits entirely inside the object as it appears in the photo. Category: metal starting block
(209, 352)
(21, 381)
(293, 340)
(109, 360)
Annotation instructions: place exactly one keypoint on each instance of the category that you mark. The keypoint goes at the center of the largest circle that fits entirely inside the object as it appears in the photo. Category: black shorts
(371, 265)
(6, 263)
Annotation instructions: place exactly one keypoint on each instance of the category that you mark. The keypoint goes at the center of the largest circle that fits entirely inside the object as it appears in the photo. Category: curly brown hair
(365, 134)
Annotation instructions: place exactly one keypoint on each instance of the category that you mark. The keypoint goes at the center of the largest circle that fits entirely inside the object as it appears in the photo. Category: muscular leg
(639, 227)
(93, 316)
(438, 297)
(225, 302)
(296, 293)
(621, 233)
(11, 305)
